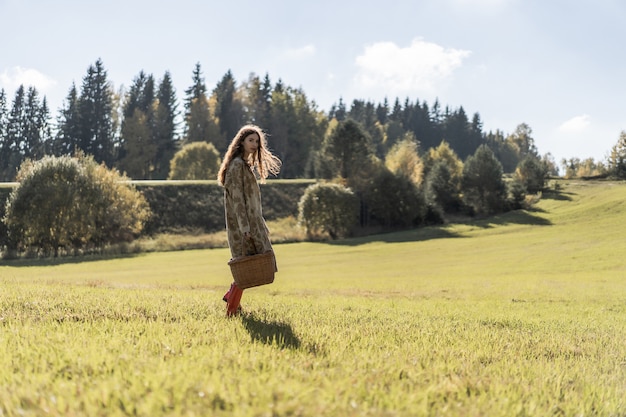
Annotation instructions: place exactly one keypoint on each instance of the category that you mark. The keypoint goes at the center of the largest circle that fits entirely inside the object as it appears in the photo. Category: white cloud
(482, 3)
(300, 53)
(12, 78)
(419, 67)
(575, 124)
(482, 7)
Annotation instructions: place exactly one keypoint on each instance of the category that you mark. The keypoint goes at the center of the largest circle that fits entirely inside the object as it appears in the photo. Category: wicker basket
(254, 270)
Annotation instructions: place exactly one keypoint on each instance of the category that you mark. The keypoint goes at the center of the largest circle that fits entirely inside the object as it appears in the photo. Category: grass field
(523, 314)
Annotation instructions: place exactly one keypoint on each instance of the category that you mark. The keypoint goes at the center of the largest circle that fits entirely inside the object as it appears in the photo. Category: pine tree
(266, 92)
(200, 125)
(140, 95)
(67, 138)
(303, 136)
(196, 90)
(35, 126)
(196, 93)
(228, 108)
(95, 108)
(281, 125)
(339, 111)
(138, 147)
(165, 126)
(617, 157)
(347, 149)
(258, 103)
(4, 140)
(456, 132)
(16, 129)
(482, 184)
(382, 112)
(396, 112)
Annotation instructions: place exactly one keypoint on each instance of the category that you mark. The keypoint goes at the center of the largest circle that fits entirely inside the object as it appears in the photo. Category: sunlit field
(523, 314)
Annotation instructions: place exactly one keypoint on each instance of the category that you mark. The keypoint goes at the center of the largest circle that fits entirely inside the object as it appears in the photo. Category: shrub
(195, 161)
(328, 208)
(65, 203)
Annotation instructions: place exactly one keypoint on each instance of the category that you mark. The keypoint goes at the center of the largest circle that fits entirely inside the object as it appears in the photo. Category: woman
(245, 224)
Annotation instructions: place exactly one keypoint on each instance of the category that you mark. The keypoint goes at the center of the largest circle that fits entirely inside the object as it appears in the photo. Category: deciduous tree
(327, 208)
(195, 161)
(403, 159)
(65, 203)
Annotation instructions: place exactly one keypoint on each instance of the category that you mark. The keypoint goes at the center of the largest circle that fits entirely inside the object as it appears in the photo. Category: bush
(64, 203)
(195, 161)
(328, 208)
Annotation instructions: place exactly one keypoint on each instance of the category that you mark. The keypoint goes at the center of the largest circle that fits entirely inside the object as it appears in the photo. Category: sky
(556, 65)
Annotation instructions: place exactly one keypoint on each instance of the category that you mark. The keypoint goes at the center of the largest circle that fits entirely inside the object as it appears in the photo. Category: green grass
(523, 314)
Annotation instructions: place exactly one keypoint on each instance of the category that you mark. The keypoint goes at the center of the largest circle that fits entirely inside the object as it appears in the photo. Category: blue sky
(558, 66)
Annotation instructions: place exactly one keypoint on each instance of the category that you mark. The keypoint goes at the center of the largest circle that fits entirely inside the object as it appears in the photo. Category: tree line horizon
(139, 130)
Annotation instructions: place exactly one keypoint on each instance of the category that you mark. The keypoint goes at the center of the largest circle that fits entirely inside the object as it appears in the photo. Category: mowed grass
(523, 314)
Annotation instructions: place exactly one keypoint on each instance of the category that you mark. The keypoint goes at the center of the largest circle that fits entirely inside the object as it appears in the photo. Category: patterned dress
(242, 206)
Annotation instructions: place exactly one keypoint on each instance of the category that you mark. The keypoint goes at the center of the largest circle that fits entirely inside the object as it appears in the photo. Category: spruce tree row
(139, 130)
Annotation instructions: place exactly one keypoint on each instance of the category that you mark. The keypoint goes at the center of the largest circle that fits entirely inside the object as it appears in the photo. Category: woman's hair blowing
(264, 161)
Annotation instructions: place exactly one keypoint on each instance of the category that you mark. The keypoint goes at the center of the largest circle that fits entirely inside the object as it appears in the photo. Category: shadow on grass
(413, 235)
(62, 260)
(521, 217)
(270, 332)
(557, 195)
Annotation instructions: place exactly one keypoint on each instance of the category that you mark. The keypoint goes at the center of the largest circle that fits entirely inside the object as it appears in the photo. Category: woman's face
(250, 145)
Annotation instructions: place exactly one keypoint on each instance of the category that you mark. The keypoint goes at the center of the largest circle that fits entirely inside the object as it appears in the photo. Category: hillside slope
(574, 234)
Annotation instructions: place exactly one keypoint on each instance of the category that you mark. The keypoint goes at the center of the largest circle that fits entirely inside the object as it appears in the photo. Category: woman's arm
(234, 185)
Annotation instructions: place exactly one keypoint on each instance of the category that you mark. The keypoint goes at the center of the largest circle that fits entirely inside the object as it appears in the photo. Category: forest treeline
(389, 166)
(139, 129)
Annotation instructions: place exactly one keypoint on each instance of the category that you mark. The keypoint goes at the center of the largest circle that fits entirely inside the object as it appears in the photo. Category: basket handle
(243, 245)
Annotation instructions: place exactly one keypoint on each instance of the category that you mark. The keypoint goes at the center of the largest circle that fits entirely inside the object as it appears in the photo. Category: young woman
(246, 159)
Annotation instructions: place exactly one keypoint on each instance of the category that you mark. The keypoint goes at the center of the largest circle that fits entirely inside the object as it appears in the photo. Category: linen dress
(243, 212)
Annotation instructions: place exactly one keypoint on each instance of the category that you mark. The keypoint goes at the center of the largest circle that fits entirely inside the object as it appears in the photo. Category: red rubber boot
(234, 298)
(227, 295)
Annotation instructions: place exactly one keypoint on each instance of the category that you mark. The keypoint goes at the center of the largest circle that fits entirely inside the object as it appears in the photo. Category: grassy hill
(521, 314)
